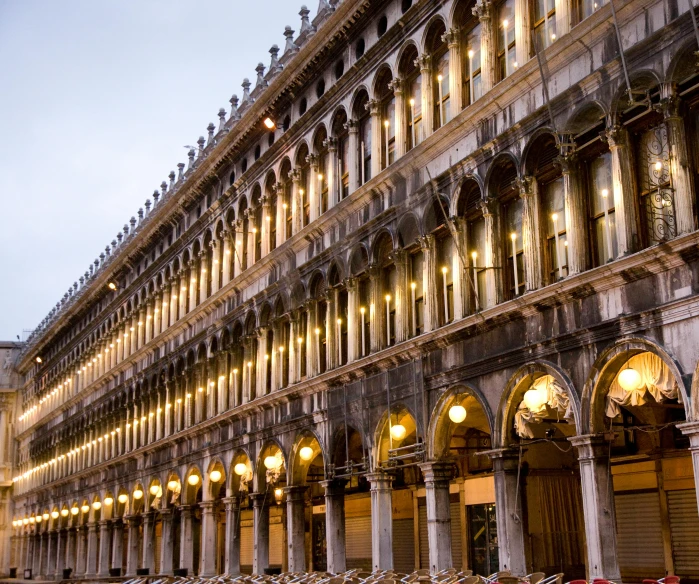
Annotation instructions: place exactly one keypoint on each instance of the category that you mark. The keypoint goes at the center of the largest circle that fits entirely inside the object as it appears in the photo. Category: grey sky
(97, 99)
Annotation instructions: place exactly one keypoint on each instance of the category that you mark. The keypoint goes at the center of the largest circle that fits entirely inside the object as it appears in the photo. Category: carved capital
(373, 106)
(452, 37)
(483, 11)
(351, 126)
(524, 184)
(424, 62)
(616, 136)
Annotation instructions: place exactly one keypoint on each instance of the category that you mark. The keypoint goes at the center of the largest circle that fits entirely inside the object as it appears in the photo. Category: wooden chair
(535, 577)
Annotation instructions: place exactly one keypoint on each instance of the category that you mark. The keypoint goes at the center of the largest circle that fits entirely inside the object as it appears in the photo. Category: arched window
(470, 28)
(363, 117)
(470, 208)
(304, 168)
(246, 229)
(587, 8)
(505, 190)
(359, 264)
(506, 50)
(386, 305)
(649, 143)
(387, 107)
(286, 199)
(435, 223)
(596, 182)
(409, 240)
(439, 52)
(340, 298)
(271, 217)
(319, 333)
(323, 160)
(257, 224)
(552, 206)
(410, 72)
(341, 134)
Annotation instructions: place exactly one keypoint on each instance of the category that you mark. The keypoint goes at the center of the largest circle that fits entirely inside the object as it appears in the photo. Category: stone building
(425, 297)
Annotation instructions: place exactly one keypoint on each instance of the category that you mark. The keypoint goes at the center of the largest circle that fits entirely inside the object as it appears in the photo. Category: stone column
(335, 525)
(296, 527)
(52, 556)
(381, 521)
(175, 298)
(118, 544)
(576, 220)
(215, 266)
(522, 35)
(691, 429)
(260, 558)
(402, 296)
(262, 351)
(148, 322)
(227, 258)
(193, 281)
(167, 543)
(424, 62)
(459, 270)
(333, 177)
(483, 10)
(429, 283)
(207, 562)
(680, 165)
(354, 333)
(531, 233)
(453, 39)
(105, 548)
(294, 373)
(376, 306)
(183, 293)
(313, 187)
(203, 275)
(186, 539)
(66, 553)
(509, 522)
(148, 542)
(83, 545)
(232, 536)
(437, 476)
(598, 506)
(239, 235)
(492, 291)
(250, 214)
(401, 126)
(35, 555)
(296, 202)
(132, 551)
(373, 106)
(623, 188)
(264, 228)
(353, 155)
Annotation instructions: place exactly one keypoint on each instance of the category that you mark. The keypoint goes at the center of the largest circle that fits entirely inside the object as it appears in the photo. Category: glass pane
(513, 224)
(603, 234)
(554, 204)
(601, 184)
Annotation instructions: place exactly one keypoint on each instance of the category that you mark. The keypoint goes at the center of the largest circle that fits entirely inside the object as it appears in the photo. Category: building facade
(424, 298)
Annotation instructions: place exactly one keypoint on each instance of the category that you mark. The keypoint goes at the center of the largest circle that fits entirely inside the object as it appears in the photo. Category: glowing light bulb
(172, 485)
(215, 476)
(123, 498)
(535, 399)
(240, 469)
(138, 494)
(193, 480)
(154, 490)
(306, 453)
(398, 431)
(272, 462)
(630, 379)
(457, 413)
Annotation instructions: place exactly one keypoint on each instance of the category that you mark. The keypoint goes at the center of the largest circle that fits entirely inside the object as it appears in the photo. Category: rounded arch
(605, 369)
(336, 272)
(432, 36)
(271, 448)
(382, 245)
(192, 489)
(503, 168)
(408, 230)
(586, 117)
(682, 65)
(215, 483)
(460, 13)
(300, 461)
(239, 478)
(434, 215)
(359, 260)
(320, 133)
(401, 413)
(359, 98)
(515, 389)
(541, 147)
(405, 59)
(441, 427)
(338, 119)
(316, 284)
(643, 80)
(382, 77)
(302, 150)
(468, 194)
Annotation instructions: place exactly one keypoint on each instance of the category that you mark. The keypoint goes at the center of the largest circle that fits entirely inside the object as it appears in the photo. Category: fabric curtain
(556, 403)
(657, 382)
(560, 501)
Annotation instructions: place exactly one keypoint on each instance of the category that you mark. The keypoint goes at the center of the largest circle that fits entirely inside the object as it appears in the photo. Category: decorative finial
(234, 108)
(114, 243)
(126, 229)
(201, 141)
(120, 236)
(147, 206)
(274, 65)
(133, 223)
(305, 23)
(140, 214)
(180, 167)
(260, 76)
(246, 90)
(221, 119)
(210, 129)
(163, 188)
(190, 155)
(289, 46)
(156, 197)
(171, 176)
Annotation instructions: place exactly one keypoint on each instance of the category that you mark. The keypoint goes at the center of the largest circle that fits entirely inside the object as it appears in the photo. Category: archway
(637, 399)
(268, 531)
(459, 432)
(537, 475)
(239, 536)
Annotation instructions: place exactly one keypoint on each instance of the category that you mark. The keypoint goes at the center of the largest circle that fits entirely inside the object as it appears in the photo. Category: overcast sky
(97, 100)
